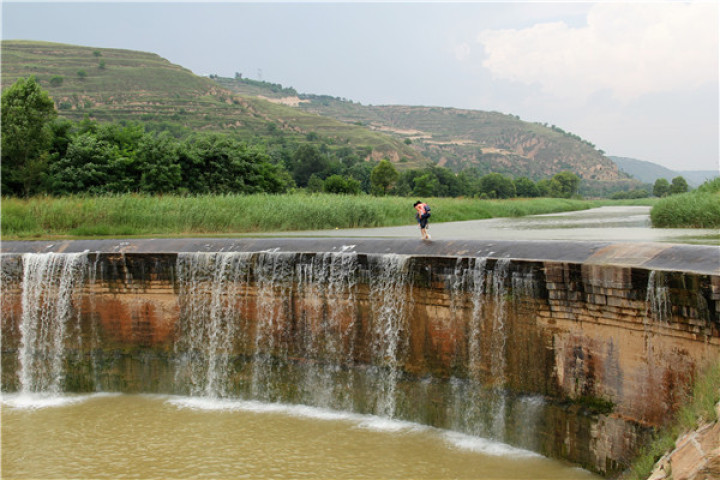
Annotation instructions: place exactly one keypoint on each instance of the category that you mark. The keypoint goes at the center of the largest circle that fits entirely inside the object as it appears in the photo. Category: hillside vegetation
(112, 85)
(458, 139)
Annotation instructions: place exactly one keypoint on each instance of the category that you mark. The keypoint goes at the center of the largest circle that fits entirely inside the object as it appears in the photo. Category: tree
(526, 188)
(89, 166)
(307, 161)
(158, 160)
(678, 185)
(383, 177)
(661, 187)
(543, 186)
(361, 171)
(426, 185)
(496, 185)
(216, 163)
(564, 185)
(27, 111)
(340, 184)
(315, 184)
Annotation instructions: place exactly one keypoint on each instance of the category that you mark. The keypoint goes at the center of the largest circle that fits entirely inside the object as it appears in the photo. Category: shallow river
(152, 436)
(616, 224)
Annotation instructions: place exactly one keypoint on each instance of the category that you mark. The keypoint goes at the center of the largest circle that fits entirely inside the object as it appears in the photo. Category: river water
(152, 436)
(615, 223)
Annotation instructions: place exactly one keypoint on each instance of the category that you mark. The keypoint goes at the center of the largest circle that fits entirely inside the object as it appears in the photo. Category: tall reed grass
(141, 215)
(688, 210)
(697, 209)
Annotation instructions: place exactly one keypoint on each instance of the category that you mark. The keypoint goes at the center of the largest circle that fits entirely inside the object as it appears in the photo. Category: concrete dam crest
(575, 350)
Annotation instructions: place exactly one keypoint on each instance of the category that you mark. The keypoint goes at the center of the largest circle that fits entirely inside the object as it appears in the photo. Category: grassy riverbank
(141, 215)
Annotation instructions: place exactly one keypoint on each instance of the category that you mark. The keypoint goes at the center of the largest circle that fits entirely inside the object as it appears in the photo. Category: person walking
(422, 216)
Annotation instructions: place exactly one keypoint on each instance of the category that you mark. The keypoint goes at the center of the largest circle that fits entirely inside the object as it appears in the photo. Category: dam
(574, 350)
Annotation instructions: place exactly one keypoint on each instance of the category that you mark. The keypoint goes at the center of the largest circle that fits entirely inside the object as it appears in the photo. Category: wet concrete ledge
(655, 256)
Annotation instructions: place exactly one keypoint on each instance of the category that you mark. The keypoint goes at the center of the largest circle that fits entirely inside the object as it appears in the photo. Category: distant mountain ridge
(649, 172)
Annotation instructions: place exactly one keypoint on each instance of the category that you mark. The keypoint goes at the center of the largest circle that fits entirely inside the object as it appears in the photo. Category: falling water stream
(268, 415)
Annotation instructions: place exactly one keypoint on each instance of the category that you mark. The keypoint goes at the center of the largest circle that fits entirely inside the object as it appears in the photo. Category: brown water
(145, 437)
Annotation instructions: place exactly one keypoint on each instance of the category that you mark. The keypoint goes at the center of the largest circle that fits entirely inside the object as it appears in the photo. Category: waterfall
(302, 346)
(480, 400)
(277, 326)
(390, 302)
(48, 284)
(471, 398)
(658, 298)
(497, 347)
(327, 288)
(211, 299)
(274, 277)
(476, 319)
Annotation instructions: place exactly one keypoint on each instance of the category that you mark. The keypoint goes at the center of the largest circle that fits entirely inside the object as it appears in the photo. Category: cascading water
(218, 294)
(327, 288)
(480, 400)
(470, 396)
(658, 297)
(274, 277)
(49, 282)
(390, 298)
(497, 348)
(211, 299)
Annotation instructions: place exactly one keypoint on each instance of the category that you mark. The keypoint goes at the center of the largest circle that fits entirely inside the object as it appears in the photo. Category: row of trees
(661, 188)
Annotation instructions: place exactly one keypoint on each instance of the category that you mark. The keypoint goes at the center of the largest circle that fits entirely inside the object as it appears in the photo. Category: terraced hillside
(124, 85)
(490, 141)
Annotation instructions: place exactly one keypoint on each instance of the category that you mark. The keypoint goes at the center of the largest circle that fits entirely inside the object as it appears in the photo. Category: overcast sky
(637, 79)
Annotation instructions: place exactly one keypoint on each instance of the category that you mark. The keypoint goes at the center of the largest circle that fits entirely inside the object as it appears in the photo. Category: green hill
(455, 138)
(124, 85)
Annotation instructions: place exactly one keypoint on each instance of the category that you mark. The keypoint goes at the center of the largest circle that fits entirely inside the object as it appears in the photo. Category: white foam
(486, 446)
(369, 422)
(362, 421)
(31, 401)
(384, 424)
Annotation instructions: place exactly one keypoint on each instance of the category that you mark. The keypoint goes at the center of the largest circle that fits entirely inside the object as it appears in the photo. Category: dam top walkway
(701, 259)
(603, 236)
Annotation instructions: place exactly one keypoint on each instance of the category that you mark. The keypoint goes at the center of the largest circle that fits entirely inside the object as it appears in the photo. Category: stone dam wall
(574, 350)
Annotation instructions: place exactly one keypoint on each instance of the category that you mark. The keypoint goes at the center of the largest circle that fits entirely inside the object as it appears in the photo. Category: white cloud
(629, 49)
